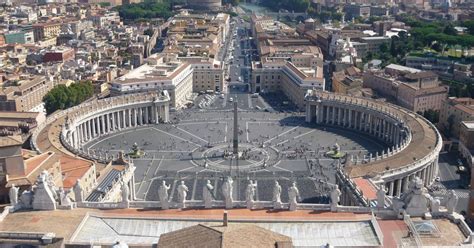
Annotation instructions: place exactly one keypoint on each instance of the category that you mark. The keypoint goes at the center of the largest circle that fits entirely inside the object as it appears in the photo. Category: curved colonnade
(94, 119)
(413, 142)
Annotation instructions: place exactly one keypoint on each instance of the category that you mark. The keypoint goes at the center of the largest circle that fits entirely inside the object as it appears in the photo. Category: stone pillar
(319, 113)
(167, 112)
(405, 181)
(430, 174)
(147, 116)
(350, 118)
(89, 130)
(423, 176)
(113, 121)
(390, 188)
(134, 117)
(123, 119)
(339, 116)
(93, 127)
(399, 187)
(153, 114)
(102, 125)
(79, 131)
(308, 113)
(367, 124)
(83, 134)
(333, 119)
(327, 114)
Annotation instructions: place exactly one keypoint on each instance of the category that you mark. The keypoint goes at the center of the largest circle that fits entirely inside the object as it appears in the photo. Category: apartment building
(44, 31)
(454, 111)
(289, 63)
(347, 81)
(26, 95)
(160, 72)
(466, 141)
(198, 40)
(416, 90)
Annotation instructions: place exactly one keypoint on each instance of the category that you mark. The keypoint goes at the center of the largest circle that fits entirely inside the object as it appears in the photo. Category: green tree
(62, 97)
(431, 115)
(449, 29)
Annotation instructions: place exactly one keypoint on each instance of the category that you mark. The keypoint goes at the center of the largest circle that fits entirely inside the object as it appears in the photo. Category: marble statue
(163, 194)
(125, 192)
(452, 201)
(182, 193)
(227, 189)
(293, 196)
(208, 194)
(77, 189)
(52, 185)
(276, 192)
(250, 193)
(435, 204)
(44, 198)
(13, 194)
(335, 198)
(414, 201)
(64, 199)
(381, 196)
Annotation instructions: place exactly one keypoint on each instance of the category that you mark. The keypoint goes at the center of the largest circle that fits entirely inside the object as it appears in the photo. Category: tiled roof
(10, 141)
(73, 169)
(233, 235)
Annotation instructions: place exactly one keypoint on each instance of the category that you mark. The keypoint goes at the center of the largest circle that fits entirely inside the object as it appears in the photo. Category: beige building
(198, 40)
(466, 141)
(208, 73)
(26, 95)
(75, 170)
(44, 31)
(289, 63)
(193, 35)
(421, 92)
(10, 154)
(285, 76)
(416, 90)
(348, 81)
(161, 72)
(453, 112)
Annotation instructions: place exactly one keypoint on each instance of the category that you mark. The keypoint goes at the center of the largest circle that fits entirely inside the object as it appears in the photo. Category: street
(450, 179)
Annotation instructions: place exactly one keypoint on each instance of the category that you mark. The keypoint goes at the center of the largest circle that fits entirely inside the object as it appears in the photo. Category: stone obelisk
(236, 131)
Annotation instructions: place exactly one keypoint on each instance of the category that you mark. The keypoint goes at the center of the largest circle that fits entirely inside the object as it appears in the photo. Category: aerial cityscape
(236, 123)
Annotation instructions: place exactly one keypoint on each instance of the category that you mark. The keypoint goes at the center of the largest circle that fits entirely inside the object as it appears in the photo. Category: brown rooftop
(420, 75)
(18, 115)
(11, 141)
(232, 235)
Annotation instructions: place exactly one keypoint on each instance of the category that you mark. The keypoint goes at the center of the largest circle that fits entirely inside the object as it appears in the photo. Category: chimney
(225, 220)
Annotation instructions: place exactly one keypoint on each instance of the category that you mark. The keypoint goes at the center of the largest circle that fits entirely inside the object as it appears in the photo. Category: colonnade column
(399, 187)
(102, 120)
(390, 188)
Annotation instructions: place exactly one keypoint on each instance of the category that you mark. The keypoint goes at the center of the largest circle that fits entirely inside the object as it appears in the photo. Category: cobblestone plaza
(278, 146)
